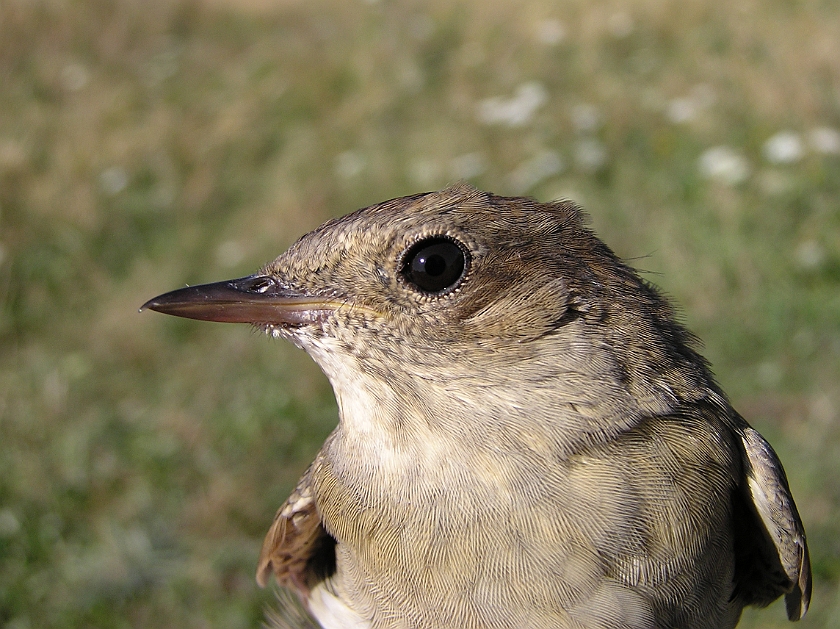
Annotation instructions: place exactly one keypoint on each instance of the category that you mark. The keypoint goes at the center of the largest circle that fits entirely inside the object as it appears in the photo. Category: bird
(527, 437)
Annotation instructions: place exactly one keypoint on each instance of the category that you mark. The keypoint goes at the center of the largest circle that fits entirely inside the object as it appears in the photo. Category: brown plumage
(527, 437)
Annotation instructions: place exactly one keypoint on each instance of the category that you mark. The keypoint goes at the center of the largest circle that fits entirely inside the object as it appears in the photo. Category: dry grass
(144, 145)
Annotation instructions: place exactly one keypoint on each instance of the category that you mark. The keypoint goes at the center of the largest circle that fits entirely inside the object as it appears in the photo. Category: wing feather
(297, 549)
(773, 503)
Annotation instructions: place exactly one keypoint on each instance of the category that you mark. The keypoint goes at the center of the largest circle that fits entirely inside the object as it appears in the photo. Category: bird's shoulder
(297, 550)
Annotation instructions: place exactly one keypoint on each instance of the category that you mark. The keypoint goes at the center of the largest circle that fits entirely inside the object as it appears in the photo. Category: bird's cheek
(522, 312)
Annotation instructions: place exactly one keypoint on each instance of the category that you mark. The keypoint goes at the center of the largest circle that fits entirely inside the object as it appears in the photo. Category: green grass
(145, 145)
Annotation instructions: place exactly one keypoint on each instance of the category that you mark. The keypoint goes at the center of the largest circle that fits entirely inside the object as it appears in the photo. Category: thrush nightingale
(527, 437)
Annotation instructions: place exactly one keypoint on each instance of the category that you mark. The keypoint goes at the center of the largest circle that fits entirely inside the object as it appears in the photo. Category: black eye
(434, 265)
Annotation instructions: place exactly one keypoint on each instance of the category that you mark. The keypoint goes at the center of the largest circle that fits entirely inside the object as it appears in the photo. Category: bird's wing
(297, 549)
(783, 549)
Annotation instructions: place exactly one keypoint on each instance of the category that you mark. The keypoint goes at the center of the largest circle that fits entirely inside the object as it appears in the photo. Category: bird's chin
(277, 331)
(289, 330)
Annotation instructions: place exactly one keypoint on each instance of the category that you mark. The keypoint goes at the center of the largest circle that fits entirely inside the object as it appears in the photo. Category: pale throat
(388, 434)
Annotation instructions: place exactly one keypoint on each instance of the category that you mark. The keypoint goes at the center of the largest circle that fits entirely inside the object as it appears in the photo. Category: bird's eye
(434, 265)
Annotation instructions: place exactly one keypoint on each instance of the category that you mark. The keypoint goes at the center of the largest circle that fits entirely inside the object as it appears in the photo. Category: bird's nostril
(259, 284)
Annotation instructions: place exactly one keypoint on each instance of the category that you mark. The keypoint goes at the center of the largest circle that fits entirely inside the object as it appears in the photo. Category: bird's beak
(257, 299)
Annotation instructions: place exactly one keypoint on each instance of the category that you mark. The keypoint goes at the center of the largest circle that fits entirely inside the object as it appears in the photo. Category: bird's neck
(469, 412)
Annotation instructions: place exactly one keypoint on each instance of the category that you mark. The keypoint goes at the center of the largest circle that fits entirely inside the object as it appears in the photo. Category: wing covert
(297, 549)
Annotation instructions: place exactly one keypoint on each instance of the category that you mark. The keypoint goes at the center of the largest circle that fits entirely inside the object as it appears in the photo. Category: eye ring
(435, 265)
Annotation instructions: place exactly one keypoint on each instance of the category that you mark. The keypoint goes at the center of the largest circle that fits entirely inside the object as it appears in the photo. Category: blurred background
(147, 144)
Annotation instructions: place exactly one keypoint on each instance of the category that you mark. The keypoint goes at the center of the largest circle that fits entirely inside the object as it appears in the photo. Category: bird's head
(469, 293)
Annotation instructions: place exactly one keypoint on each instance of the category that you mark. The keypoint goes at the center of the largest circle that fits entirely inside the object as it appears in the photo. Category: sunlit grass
(145, 145)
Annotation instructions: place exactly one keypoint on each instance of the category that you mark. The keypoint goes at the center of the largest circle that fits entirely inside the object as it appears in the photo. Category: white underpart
(362, 403)
(331, 612)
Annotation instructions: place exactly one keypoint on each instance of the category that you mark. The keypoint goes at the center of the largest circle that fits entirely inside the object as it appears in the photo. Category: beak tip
(149, 305)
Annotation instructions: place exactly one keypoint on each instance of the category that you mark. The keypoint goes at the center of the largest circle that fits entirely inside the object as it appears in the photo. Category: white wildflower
(724, 164)
(585, 118)
(825, 140)
(785, 147)
(468, 165)
(74, 76)
(810, 255)
(113, 180)
(515, 111)
(590, 155)
(539, 168)
(550, 32)
(349, 164)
